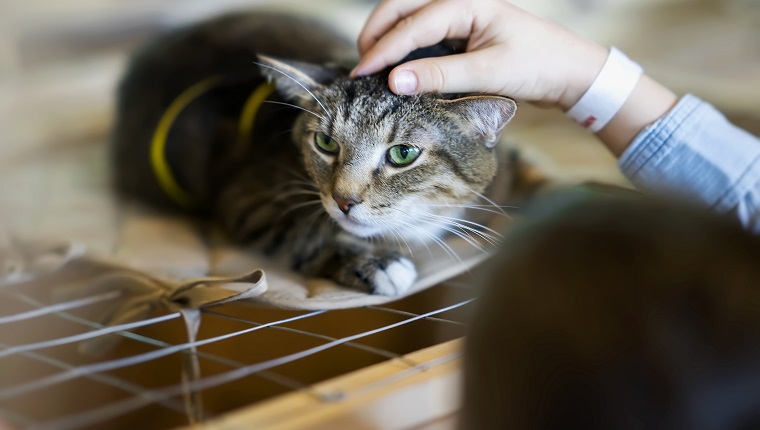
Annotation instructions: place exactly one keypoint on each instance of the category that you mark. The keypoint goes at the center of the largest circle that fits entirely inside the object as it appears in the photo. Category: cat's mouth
(356, 227)
(355, 221)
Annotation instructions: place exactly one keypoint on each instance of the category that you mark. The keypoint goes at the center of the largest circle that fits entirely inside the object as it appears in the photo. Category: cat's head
(386, 164)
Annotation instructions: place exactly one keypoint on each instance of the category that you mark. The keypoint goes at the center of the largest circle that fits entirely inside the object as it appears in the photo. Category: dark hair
(618, 313)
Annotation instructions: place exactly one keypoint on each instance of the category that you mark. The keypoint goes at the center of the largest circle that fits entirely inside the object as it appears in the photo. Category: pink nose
(345, 204)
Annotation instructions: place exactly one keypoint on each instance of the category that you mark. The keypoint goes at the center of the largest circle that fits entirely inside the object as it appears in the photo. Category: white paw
(396, 279)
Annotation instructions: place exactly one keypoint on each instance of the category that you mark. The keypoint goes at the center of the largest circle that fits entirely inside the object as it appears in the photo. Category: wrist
(648, 102)
(586, 61)
(607, 94)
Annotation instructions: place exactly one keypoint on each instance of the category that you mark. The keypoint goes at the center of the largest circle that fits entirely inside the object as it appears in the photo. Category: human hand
(509, 51)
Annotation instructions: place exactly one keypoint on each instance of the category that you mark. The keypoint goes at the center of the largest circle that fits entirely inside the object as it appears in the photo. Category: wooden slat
(386, 396)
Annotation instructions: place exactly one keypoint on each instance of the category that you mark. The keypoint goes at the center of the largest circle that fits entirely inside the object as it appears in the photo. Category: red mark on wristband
(591, 119)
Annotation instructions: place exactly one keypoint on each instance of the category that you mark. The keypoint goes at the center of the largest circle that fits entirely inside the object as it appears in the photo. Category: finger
(383, 18)
(430, 25)
(462, 73)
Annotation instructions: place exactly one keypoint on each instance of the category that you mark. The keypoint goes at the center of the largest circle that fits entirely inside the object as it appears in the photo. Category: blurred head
(618, 314)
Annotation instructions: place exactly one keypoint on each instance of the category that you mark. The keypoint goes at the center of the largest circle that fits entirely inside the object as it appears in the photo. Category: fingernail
(405, 82)
(356, 72)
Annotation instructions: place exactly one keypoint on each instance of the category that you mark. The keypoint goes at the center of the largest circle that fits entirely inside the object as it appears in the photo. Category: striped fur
(282, 194)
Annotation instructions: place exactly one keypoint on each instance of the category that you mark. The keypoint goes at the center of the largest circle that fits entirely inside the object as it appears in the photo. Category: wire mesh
(245, 354)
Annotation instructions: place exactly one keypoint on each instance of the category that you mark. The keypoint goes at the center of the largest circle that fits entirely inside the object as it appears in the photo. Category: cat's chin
(359, 229)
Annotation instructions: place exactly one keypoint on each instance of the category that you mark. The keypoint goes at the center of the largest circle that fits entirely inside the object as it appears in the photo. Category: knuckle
(406, 23)
(437, 77)
(431, 77)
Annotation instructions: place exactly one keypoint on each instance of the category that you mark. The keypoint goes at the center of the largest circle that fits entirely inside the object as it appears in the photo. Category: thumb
(450, 74)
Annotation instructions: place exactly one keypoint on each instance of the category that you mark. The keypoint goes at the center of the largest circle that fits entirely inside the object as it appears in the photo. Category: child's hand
(509, 51)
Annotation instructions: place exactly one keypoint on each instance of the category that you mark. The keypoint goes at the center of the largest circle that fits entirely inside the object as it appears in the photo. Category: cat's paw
(395, 279)
(387, 274)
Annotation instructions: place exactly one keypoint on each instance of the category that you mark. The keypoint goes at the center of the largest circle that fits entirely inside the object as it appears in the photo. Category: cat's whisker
(398, 235)
(482, 208)
(298, 83)
(298, 206)
(440, 242)
(383, 236)
(430, 251)
(446, 225)
(295, 184)
(283, 133)
(294, 172)
(463, 235)
(468, 231)
(297, 193)
(298, 182)
(471, 206)
(491, 202)
(497, 206)
(480, 229)
(462, 223)
(403, 239)
(297, 107)
(313, 217)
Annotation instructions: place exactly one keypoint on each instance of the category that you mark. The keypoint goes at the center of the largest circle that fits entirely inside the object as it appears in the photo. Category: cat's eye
(326, 143)
(403, 155)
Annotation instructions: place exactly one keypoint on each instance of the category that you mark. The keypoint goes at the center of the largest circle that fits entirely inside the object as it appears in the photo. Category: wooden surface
(388, 395)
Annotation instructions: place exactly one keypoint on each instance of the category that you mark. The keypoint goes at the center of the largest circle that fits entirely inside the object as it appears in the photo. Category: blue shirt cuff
(694, 152)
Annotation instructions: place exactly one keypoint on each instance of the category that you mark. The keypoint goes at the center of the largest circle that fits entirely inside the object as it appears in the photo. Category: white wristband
(606, 95)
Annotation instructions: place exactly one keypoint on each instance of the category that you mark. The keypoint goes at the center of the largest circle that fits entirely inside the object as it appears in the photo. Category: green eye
(403, 155)
(326, 144)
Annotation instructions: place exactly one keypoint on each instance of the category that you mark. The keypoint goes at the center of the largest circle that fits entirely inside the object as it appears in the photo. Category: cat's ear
(486, 114)
(296, 79)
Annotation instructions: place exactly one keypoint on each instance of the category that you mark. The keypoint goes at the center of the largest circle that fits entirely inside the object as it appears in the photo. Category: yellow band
(160, 165)
(251, 107)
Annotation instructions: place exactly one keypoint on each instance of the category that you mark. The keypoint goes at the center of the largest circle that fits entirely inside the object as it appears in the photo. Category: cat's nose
(345, 204)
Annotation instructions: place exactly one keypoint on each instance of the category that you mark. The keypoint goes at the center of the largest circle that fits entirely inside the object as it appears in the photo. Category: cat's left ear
(486, 114)
(295, 79)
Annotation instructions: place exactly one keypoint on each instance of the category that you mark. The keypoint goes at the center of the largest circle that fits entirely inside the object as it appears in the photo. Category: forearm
(695, 153)
(648, 102)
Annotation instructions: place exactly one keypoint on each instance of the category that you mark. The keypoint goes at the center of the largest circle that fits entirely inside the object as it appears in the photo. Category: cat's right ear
(485, 113)
(296, 80)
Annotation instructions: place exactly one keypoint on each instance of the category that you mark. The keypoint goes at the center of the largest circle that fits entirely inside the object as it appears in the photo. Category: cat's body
(311, 184)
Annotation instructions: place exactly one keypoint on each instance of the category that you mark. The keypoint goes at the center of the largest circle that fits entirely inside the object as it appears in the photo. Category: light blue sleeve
(694, 152)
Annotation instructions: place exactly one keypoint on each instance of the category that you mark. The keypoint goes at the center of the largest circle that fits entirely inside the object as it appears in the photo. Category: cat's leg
(356, 264)
(383, 272)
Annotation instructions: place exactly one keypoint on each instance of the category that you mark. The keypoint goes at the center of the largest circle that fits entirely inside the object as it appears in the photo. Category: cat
(314, 170)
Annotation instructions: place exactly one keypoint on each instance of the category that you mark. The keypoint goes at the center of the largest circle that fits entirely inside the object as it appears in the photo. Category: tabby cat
(315, 171)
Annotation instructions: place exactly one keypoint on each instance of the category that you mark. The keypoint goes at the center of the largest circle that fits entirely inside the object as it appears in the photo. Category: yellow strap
(251, 107)
(161, 168)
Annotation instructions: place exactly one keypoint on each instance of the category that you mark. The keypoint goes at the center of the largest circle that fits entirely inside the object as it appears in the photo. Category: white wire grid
(246, 354)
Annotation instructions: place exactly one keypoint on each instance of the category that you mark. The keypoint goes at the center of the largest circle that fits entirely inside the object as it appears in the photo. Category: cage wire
(156, 373)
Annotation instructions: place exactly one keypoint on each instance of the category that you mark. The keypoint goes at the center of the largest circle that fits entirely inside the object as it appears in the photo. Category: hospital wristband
(607, 93)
